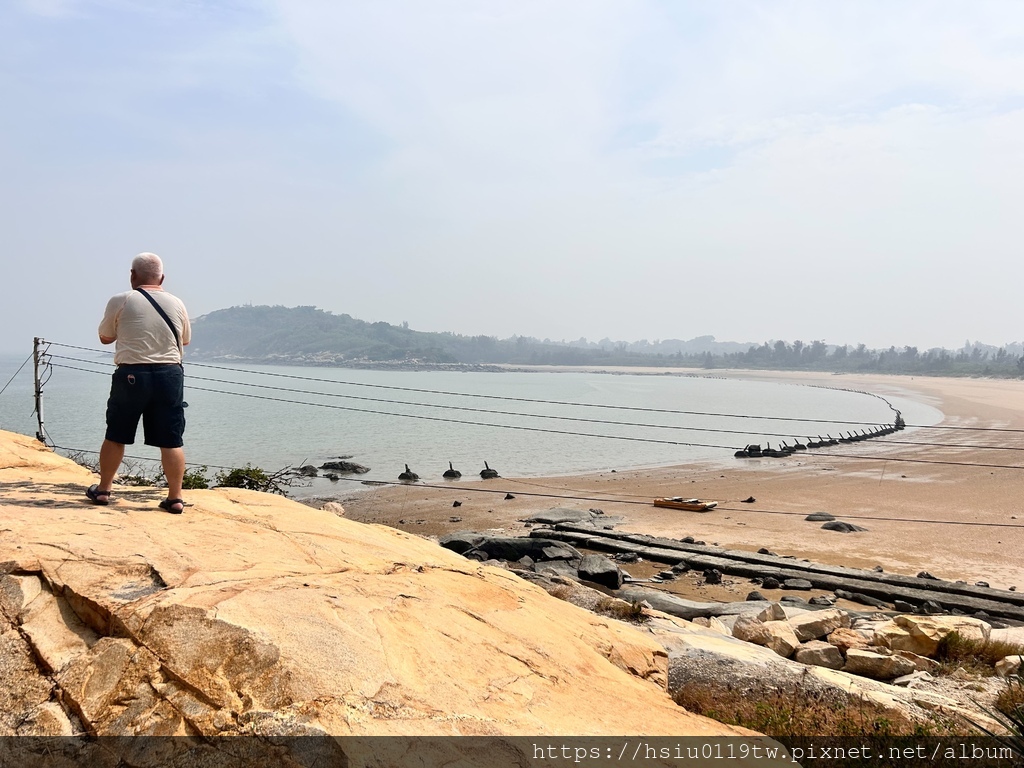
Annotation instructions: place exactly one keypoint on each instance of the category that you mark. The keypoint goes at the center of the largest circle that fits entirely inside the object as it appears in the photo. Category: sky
(625, 169)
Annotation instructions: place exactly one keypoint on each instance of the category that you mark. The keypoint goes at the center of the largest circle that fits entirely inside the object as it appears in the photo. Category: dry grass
(1011, 700)
(621, 610)
(974, 656)
(562, 592)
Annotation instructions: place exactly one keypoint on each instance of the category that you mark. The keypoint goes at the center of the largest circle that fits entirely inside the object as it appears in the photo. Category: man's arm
(108, 325)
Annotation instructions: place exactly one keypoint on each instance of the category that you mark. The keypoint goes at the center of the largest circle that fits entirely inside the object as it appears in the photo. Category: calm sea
(522, 423)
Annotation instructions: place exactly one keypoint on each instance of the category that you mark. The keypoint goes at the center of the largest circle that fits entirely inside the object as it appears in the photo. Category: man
(150, 327)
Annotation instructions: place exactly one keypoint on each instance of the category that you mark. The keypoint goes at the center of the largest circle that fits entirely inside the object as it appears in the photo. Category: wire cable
(633, 502)
(581, 434)
(517, 399)
(16, 374)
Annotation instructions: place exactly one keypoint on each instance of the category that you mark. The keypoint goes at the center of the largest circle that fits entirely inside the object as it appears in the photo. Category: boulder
(750, 629)
(600, 570)
(1010, 635)
(781, 638)
(461, 542)
(924, 633)
(817, 624)
(334, 508)
(1009, 666)
(819, 517)
(774, 612)
(819, 654)
(923, 663)
(345, 466)
(841, 527)
(844, 639)
(802, 584)
(557, 568)
(875, 665)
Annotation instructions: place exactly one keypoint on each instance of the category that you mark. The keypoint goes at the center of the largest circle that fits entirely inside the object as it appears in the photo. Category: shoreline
(955, 521)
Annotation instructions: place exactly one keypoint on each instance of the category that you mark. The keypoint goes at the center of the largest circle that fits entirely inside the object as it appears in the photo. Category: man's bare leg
(173, 460)
(111, 454)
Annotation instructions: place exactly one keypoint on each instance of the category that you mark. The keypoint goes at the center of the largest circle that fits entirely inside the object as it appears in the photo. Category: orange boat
(690, 505)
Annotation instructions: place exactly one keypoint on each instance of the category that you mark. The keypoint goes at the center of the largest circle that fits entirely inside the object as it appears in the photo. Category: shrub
(253, 479)
(195, 479)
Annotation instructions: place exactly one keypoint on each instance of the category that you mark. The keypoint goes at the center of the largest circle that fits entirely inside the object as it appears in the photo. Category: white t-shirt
(142, 335)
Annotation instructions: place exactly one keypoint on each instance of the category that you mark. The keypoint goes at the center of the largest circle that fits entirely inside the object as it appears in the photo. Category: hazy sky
(851, 172)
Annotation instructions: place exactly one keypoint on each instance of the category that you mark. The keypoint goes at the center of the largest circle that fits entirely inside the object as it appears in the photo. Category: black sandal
(168, 505)
(96, 496)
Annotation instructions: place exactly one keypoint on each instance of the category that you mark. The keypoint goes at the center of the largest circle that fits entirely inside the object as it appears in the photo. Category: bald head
(148, 269)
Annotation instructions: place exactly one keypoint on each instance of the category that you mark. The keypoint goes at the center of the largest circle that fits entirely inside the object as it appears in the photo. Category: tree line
(311, 336)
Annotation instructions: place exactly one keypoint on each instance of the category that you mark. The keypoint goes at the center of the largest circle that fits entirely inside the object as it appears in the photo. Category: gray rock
(841, 527)
(600, 570)
(686, 609)
(755, 595)
(797, 584)
(712, 576)
(820, 517)
(510, 548)
(903, 606)
(557, 568)
(770, 582)
(345, 466)
(561, 515)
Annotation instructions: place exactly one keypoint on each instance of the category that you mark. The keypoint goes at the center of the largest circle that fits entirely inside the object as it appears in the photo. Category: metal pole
(40, 434)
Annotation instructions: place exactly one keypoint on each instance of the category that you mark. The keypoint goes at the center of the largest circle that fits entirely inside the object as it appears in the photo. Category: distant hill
(311, 336)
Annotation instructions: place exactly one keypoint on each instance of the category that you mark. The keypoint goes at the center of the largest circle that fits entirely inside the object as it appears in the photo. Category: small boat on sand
(690, 505)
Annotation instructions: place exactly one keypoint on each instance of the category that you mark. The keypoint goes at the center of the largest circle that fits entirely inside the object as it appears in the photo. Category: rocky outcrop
(252, 614)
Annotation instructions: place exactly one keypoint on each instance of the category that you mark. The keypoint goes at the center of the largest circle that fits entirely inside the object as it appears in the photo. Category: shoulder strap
(163, 314)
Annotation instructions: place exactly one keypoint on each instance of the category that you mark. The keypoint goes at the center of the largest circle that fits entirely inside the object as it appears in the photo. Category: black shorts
(153, 393)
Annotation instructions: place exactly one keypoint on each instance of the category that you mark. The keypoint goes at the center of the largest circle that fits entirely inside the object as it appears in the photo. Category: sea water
(524, 424)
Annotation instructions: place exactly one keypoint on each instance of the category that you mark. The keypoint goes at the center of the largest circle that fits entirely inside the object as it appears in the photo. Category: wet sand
(956, 522)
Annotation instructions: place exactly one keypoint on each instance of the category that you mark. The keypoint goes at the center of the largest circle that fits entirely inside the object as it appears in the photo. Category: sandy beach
(954, 521)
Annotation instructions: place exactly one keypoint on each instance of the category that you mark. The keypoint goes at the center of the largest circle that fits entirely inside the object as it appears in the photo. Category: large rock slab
(562, 515)
(254, 614)
(688, 609)
(817, 624)
(876, 665)
(819, 654)
(922, 634)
